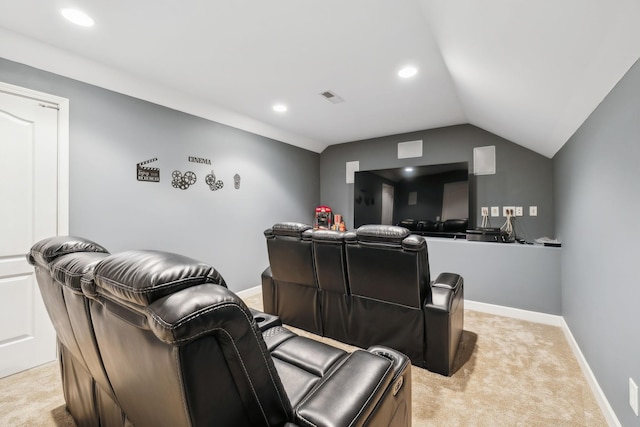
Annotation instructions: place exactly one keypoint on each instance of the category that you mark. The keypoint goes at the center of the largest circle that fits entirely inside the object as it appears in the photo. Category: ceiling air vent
(332, 97)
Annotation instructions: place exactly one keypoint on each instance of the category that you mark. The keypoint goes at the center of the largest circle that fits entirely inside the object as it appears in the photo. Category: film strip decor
(147, 174)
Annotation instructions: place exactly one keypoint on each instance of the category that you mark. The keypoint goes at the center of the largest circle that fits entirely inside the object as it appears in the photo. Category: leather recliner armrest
(268, 292)
(443, 291)
(348, 395)
(400, 361)
(444, 321)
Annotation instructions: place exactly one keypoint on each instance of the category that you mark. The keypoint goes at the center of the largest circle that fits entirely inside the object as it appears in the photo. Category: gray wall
(110, 133)
(523, 177)
(597, 205)
(511, 275)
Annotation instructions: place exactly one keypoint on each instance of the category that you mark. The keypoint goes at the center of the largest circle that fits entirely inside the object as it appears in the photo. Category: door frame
(62, 105)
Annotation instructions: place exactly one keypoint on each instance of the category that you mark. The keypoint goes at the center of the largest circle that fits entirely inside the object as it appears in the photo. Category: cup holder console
(264, 320)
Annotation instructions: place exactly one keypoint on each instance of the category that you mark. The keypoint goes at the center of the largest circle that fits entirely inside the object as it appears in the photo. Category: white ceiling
(529, 71)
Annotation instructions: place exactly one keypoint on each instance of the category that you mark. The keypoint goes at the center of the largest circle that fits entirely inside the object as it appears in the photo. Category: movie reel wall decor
(183, 181)
(214, 185)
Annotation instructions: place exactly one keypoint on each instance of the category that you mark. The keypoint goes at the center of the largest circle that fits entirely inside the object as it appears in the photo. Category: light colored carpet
(509, 373)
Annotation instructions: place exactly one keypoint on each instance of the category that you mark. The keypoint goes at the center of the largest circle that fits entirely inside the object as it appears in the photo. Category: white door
(387, 204)
(30, 199)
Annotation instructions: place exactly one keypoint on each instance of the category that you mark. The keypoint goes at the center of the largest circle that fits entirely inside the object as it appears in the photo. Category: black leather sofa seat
(293, 293)
(374, 287)
(149, 338)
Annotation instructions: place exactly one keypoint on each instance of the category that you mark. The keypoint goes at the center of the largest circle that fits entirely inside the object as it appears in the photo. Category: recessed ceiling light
(280, 108)
(408, 169)
(78, 17)
(407, 72)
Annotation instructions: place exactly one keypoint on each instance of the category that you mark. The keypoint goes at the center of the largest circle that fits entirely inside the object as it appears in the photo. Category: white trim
(605, 407)
(553, 320)
(246, 293)
(516, 313)
(63, 167)
(63, 147)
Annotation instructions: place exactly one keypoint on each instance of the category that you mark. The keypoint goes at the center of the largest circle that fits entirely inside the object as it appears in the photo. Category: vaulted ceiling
(528, 71)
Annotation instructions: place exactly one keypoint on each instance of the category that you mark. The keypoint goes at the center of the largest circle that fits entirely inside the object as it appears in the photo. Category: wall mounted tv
(430, 200)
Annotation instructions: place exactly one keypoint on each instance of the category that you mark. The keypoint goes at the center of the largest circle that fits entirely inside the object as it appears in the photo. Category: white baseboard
(606, 408)
(553, 320)
(516, 313)
(246, 293)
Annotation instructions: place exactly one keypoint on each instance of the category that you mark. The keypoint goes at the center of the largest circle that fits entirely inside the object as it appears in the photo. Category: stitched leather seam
(202, 312)
(232, 341)
(66, 271)
(246, 374)
(180, 379)
(273, 381)
(50, 257)
(372, 393)
(322, 381)
(363, 406)
(167, 285)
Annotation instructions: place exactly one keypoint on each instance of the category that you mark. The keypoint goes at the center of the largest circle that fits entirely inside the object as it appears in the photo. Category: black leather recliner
(395, 302)
(374, 287)
(388, 275)
(289, 286)
(173, 346)
(60, 263)
(331, 271)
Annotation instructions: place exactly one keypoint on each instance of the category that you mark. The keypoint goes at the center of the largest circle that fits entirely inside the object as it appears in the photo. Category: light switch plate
(533, 211)
(495, 210)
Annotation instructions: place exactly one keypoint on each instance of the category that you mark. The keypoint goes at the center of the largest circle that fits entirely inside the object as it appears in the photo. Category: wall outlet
(495, 210)
(484, 211)
(633, 396)
(508, 210)
(533, 211)
(519, 211)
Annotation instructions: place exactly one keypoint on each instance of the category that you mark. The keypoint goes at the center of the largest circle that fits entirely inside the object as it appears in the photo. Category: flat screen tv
(429, 200)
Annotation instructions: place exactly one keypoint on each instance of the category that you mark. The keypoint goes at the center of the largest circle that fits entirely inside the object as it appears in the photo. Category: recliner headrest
(46, 250)
(459, 225)
(328, 236)
(188, 314)
(414, 242)
(385, 234)
(141, 277)
(290, 229)
(70, 269)
(409, 223)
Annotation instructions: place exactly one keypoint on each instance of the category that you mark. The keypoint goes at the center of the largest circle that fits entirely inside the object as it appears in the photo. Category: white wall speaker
(352, 168)
(409, 149)
(484, 160)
